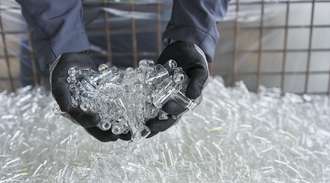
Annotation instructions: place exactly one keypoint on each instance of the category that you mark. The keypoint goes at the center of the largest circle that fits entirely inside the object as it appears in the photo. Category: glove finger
(87, 120)
(198, 77)
(103, 136)
(62, 94)
(173, 108)
(127, 136)
(157, 126)
(152, 134)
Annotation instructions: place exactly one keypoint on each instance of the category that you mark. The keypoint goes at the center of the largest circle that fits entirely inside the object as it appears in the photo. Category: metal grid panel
(283, 52)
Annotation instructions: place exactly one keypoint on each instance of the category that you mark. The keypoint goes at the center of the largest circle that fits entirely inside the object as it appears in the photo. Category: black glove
(61, 93)
(193, 61)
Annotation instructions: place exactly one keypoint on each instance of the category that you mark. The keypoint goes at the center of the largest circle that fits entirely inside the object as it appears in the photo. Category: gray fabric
(57, 25)
(195, 21)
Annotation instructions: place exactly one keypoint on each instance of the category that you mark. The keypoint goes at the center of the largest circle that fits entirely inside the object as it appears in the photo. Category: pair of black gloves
(188, 56)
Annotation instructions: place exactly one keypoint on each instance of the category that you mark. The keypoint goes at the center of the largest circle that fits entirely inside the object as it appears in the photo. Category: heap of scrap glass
(232, 136)
(125, 99)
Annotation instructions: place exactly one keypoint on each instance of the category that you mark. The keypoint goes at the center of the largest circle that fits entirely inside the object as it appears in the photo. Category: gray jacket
(57, 25)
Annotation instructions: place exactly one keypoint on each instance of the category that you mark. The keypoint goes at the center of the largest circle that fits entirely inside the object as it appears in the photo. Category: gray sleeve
(56, 26)
(195, 21)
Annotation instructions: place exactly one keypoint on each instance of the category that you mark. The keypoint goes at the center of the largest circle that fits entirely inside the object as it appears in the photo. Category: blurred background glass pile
(284, 44)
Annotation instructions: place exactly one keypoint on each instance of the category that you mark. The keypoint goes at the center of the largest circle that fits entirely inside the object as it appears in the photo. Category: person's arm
(195, 21)
(56, 26)
(191, 36)
(58, 35)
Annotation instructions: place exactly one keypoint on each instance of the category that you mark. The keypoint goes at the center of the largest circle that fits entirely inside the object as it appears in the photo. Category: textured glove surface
(193, 62)
(61, 93)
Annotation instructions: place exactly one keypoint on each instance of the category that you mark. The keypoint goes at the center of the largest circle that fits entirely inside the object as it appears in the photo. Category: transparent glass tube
(184, 101)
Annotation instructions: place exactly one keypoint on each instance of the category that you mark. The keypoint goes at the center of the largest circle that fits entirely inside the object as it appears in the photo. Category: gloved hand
(61, 93)
(193, 61)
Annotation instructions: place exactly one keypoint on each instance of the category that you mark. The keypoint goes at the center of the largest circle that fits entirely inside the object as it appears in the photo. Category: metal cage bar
(158, 28)
(285, 46)
(310, 41)
(35, 73)
(260, 42)
(134, 37)
(108, 34)
(6, 55)
(236, 42)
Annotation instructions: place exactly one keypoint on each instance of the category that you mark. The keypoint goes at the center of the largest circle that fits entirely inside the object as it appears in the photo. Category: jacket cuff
(48, 51)
(77, 42)
(205, 40)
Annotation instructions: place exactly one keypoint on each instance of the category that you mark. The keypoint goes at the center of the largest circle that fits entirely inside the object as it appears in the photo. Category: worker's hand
(193, 61)
(61, 93)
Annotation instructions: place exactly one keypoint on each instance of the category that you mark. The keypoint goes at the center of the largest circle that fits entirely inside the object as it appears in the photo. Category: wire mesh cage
(283, 43)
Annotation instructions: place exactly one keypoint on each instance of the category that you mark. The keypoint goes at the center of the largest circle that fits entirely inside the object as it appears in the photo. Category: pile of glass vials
(125, 99)
(232, 136)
